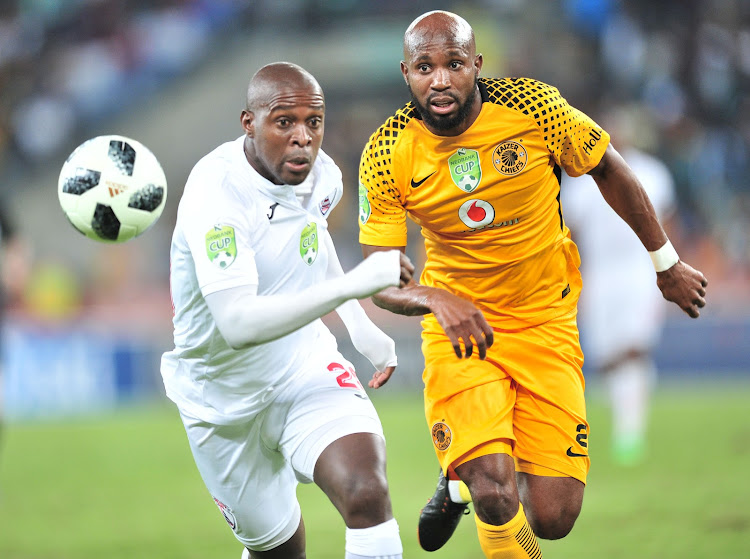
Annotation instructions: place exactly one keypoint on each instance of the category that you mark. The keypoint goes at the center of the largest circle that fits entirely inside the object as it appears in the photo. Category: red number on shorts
(347, 379)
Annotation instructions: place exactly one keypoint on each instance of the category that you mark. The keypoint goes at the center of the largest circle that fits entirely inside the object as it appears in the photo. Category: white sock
(245, 554)
(455, 493)
(630, 389)
(377, 542)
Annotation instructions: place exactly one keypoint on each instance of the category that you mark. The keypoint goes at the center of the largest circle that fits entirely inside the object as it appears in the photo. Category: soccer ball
(112, 188)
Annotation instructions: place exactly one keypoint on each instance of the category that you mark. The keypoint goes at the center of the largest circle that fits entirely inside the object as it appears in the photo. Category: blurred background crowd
(172, 74)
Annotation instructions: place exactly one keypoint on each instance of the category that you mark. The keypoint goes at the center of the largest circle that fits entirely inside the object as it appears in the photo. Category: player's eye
(455, 65)
(283, 122)
(423, 68)
(316, 122)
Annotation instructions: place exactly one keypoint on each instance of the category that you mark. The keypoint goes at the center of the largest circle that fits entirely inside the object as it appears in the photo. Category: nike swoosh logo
(573, 454)
(417, 184)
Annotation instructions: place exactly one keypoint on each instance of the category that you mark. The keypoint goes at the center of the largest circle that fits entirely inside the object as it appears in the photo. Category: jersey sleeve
(382, 216)
(218, 229)
(576, 142)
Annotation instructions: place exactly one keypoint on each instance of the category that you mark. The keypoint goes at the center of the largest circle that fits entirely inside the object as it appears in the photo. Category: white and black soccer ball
(112, 188)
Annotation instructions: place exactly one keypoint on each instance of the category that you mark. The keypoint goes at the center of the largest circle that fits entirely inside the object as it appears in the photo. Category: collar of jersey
(282, 193)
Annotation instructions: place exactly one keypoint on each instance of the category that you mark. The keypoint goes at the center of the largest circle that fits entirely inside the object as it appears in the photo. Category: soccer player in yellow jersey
(476, 163)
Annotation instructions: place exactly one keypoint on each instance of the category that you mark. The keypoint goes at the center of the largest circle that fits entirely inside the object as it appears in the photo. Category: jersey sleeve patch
(364, 205)
(221, 246)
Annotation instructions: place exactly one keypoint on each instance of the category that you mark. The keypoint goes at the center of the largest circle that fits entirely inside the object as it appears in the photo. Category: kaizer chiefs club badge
(509, 158)
(441, 435)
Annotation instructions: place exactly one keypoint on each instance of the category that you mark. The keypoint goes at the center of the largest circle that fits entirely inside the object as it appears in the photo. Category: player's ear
(405, 71)
(247, 119)
(478, 61)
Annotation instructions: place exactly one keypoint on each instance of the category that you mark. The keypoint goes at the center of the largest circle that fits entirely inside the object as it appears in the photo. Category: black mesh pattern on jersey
(375, 166)
(147, 198)
(557, 121)
(105, 223)
(83, 181)
(123, 156)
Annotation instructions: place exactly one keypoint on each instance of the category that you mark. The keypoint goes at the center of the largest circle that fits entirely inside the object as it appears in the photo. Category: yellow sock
(514, 540)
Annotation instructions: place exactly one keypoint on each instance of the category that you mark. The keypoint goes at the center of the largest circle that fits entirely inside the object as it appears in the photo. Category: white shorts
(619, 311)
(252, 469)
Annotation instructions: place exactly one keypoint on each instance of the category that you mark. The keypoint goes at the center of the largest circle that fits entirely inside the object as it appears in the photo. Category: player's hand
(407, 270)
(376, 272)
(684, 286)
(379, 378)
(462, 322)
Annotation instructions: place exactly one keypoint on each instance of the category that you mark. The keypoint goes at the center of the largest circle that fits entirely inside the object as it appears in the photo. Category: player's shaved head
(438, 26)
(283, 122)
(272, 78)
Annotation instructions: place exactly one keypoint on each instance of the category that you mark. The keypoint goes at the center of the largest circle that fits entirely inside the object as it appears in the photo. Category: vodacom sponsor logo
(479, 214)
(476, 213)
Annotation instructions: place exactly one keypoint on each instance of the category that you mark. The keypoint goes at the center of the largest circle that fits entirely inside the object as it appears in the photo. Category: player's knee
(494, 503)
(553, 521)
(366, 502)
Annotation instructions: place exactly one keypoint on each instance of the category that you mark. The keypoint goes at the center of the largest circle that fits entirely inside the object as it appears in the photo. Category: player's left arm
(678, 282)
(368, 339)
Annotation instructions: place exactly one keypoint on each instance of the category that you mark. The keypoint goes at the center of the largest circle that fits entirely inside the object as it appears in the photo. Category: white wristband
(665, 257)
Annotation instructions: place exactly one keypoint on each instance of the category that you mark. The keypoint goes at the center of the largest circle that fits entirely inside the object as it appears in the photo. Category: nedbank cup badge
(221, 247)
(465, 169)
(364, 205)
(509, 158)
(308, 243)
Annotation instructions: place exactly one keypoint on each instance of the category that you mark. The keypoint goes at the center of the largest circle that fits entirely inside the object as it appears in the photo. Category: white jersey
(235, 228)
(621, 306)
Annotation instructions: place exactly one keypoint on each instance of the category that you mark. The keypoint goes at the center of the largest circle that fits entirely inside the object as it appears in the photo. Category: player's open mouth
(297, 164)
(442, 105)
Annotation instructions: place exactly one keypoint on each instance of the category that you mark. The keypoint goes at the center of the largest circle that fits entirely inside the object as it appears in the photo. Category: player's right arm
(679, 282)
(245, 318)
(462, 322)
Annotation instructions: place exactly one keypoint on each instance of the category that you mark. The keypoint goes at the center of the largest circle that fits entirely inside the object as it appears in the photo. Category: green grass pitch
(124, 486)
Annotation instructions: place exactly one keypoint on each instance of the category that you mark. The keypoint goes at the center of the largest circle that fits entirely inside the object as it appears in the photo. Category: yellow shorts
(525, 399)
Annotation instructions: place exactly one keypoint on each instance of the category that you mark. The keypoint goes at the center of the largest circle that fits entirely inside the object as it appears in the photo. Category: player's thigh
(325, 404)
(252, 484)
(550, 411)
(468, 404)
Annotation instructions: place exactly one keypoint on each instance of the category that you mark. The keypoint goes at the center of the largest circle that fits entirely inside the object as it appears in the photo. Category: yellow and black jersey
(487, 200)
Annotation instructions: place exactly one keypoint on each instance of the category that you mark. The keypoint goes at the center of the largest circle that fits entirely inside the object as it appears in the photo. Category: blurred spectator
(69, 67)
(621, 309)
(14, 270)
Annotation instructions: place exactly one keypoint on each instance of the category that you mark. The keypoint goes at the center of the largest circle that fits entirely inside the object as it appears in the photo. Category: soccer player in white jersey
(618, 338)
(266, 398)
